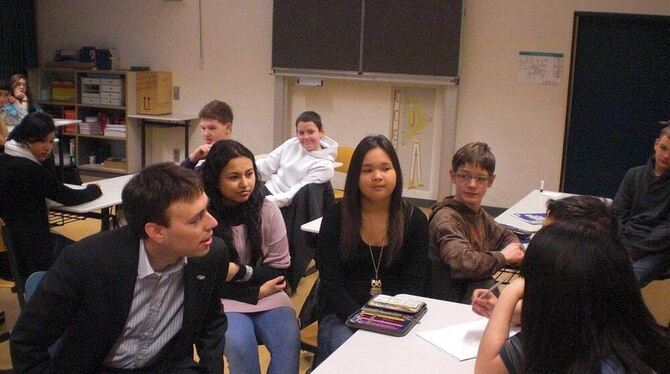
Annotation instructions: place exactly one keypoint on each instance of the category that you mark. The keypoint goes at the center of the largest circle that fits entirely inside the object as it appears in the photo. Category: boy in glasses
(466, 245)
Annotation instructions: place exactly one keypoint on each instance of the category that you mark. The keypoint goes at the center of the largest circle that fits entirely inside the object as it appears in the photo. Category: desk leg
(104, 219)
(61, 166)
(186, 140)
(144, 142)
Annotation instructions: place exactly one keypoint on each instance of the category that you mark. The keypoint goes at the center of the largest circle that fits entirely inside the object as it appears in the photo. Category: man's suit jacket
(85, 298)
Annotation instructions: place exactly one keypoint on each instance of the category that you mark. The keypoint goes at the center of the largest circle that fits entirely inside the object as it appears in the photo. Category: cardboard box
(154, 92)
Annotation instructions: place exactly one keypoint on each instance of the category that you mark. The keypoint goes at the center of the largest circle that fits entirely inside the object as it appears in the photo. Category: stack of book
(115, 130)
(90, 126)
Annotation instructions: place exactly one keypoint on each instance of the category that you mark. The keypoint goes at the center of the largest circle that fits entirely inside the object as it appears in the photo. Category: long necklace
(376, 283)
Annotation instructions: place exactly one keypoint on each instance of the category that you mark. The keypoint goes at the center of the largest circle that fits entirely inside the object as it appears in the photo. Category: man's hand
(200, 153)
(513, 253)
(483, 302)
(272, 286)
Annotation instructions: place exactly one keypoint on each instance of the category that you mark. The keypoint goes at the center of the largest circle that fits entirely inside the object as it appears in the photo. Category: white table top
(64, 122)
(534, 202)
(172, 117)
(312, 226)
(369, 352)
(111, 195)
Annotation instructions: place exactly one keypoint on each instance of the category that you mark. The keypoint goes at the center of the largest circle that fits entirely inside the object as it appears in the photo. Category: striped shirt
(155, 315)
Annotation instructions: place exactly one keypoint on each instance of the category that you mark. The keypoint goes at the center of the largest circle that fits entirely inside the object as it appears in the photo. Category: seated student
(136, 299)
(26, 183)
(568, 209)
(307, 158)
(467, 245)
(216, 123)
(19, 102)
(582, 310)
(255, 303)
(371, 242)
(643, 207)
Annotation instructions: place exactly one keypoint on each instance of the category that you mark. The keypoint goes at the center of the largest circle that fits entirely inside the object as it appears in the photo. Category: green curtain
(18, 38)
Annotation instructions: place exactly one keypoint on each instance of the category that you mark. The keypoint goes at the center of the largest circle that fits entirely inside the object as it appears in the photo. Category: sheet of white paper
(553, 194)
(460, 341)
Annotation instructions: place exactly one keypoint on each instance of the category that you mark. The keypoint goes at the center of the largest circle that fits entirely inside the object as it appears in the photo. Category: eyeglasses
(465, 178)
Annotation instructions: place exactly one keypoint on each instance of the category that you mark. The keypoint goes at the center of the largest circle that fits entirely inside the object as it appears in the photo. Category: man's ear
(155, 232)
(493, 177)
(452, 175)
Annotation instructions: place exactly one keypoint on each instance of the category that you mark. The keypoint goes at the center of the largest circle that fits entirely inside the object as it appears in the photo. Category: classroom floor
(655, 296)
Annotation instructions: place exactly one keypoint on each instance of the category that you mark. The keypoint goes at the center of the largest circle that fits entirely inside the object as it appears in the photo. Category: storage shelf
(83, 145)
(101, 137)
(100, 168)
(100, 106)
(57, 103)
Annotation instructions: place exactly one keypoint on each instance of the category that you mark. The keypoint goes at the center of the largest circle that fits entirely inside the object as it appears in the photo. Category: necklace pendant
(375, 287)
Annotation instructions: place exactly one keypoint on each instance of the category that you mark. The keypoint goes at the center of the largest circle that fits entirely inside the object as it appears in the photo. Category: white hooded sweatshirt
(290, 167)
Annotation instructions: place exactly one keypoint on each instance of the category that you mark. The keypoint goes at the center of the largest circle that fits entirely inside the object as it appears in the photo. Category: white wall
(524, 123)
(237, 43)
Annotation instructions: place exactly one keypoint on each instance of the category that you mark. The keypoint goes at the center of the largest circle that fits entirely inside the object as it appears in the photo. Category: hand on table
(513, 253)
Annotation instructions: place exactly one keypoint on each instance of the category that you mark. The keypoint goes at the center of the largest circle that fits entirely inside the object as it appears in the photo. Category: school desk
(111, 196)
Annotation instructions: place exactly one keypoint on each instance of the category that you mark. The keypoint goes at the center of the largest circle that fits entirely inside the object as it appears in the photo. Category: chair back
(13, 265)
(31, 284)
(309, 313)
(339, 178)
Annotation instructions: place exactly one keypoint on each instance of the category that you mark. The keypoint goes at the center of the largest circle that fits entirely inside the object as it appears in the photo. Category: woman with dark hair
(19, 101)
(582, 310)
(255, 303)
(371, 242)
(26, 183)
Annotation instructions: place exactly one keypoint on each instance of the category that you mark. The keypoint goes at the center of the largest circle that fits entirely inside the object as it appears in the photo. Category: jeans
(331, 335)
(276, 328)
(650, 266)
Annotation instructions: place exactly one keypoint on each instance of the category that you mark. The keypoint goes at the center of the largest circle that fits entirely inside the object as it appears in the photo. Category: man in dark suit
(134, 299)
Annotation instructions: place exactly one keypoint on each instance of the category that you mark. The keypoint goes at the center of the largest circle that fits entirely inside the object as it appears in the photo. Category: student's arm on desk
(497, 331)
(451, 240)
(58, 192)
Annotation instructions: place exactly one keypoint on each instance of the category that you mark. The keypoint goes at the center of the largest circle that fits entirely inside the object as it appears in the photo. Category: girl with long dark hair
(582, 310)
(371, 242)
(255, 302)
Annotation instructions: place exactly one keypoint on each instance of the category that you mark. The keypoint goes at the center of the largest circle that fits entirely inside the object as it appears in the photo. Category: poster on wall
(540, 67)
(416, 138)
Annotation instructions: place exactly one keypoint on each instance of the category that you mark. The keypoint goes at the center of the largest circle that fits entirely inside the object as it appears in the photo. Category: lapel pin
(200, 277)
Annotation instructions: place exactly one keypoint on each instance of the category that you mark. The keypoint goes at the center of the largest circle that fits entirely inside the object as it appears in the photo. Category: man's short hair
(148, 195)
(583, 208)
(664, 132)
(217, 110)
(476, 153)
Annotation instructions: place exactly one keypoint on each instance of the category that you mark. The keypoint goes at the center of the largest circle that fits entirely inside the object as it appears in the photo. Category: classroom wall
(237, 42)
(524, 123)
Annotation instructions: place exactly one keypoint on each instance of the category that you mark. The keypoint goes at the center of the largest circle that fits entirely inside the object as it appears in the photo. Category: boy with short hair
(467, 245)
(216, 123)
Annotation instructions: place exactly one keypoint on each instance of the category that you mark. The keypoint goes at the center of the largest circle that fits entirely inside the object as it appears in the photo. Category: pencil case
(384, 317)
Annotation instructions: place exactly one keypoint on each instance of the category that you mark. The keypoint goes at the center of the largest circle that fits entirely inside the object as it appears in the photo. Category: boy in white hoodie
(307, 158)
